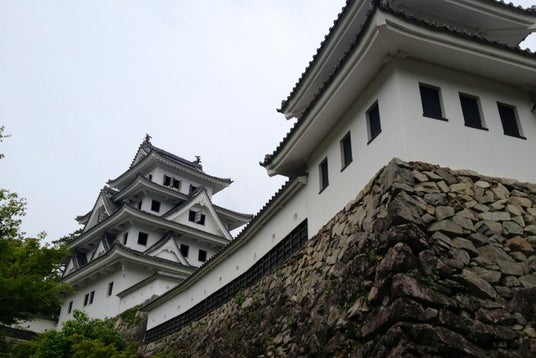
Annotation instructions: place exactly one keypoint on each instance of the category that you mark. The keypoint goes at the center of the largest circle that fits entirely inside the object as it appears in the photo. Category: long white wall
(406, 134)
(282, 223)
(452, 143)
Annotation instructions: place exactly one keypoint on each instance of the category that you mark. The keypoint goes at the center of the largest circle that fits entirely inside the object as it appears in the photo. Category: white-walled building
(441, 81)
(149, 229)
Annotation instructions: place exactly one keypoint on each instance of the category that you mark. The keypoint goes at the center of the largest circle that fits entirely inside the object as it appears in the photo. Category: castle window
(324, 174)
(150, 177)
(155, 206)
(185, 250)
(110, 288)
(86, 299)
(192, 188)
(196, 217)
(91, 297)
(431, 102)
(142, 238)
(373, 120)
(202, 256)
(125, 238)
(471, 111)
(509, 120)
(346, 151)
(176, 184)
(70, 308)
(167, 180)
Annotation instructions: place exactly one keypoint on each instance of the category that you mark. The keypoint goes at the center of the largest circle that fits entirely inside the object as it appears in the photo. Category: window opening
(70, 308)
(373, 119)
(471, 111)
(324, 174)
(197, 217)
(155, 205)
(185, 249)
(509, 120)
(110, 288)
(346, 151)
(431, 102)
(142, 238)
(202, 256)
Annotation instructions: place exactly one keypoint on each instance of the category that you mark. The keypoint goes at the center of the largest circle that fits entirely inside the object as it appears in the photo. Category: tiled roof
(127, 250)
(147, 146)
(343, 12)
(385, 5)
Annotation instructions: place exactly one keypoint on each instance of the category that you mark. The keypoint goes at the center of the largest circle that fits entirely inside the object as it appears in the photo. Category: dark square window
(110, 288)
(139, 204)
(471, 111)
(86, 299)
(70, 308)
(185, 249)
(196, 217)
(142, 238)
(346, 150)
(167, 180)
(176, 184)
(155, 206)
(192, 188)
(125, 238)
(150, 177)
(91, 297)
(373, 119)
(509, 120)
(431, 102)
(202, 257)
(324, 174)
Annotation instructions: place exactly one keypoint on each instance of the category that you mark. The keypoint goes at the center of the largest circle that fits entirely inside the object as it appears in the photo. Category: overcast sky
(82, 82)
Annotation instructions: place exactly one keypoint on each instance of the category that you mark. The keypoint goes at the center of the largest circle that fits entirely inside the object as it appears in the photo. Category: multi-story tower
(149, 229)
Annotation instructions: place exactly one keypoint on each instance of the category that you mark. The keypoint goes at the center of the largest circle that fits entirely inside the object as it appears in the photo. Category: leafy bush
(80, 337)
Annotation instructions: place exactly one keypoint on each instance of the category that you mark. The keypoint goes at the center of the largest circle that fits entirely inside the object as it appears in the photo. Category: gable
(99, 213)
(167, 249)
(199, 214)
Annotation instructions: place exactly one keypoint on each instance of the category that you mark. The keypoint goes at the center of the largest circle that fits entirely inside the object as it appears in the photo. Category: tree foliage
(28, 267)
(80, 337)
(67, 239)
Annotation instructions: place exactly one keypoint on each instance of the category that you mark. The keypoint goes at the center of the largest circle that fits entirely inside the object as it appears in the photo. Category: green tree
(80, 337)
(29, 268)
(67, 239)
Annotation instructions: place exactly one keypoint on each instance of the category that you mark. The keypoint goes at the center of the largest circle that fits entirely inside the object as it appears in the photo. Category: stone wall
(427, 261)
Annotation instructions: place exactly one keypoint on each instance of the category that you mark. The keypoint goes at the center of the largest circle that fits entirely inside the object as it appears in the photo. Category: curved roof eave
(128, 212)
(119, 252)
(130, 174)
(271, 161)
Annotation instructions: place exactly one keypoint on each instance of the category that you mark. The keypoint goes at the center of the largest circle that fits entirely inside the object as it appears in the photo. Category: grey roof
(385, 6)
(121, 247)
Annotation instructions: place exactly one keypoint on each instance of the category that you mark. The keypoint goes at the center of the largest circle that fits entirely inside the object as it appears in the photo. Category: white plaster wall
(453, 144)
(286, 219)
(157, 287)
(367, 158)
(37, 325)
(158, 177)
(103, 305)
